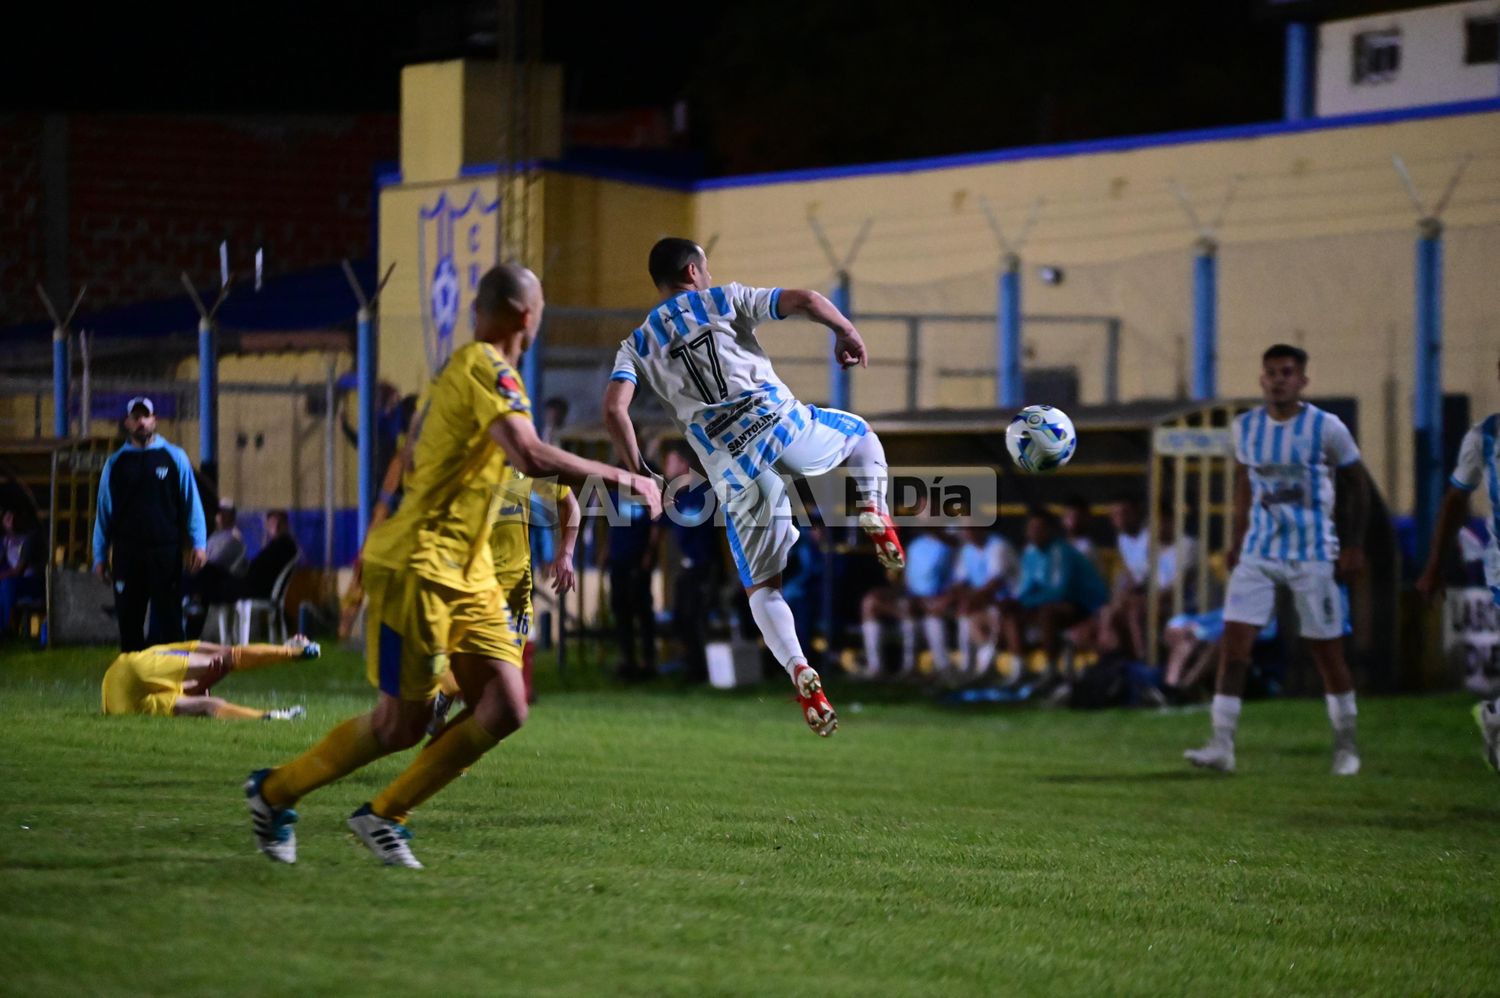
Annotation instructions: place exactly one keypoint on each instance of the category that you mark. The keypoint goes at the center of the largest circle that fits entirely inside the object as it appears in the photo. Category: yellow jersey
(510, 537)
(442, 529)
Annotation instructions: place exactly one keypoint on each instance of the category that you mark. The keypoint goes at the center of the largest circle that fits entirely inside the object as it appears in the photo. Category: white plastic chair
(247, 610)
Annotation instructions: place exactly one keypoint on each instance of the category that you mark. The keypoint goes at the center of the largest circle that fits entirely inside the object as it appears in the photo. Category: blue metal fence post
(531, 374)
(838, 378)
(1010, 389)
(1205, 322)
(208, 395)
(1427, 415)
(1301, 49)
(60, 382)
(365, 364)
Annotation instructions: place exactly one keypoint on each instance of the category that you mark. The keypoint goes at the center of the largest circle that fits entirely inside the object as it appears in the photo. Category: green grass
(667, 842)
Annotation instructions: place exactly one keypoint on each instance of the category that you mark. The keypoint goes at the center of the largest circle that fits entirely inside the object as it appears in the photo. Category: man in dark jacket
(148, 502)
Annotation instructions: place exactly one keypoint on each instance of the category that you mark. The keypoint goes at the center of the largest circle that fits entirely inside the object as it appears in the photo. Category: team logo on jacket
(161, 473)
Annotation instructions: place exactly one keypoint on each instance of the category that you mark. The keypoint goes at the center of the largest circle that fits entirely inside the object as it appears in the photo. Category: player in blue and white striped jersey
(1478, 465)
(698, 351)
(1300, 504)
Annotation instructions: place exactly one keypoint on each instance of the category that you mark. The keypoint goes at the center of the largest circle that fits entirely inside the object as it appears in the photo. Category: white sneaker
(1214, 755)
(308, 648)
(1488, 720)
(295, 713)
(272, 826)
(385, 838)
(1345, 760)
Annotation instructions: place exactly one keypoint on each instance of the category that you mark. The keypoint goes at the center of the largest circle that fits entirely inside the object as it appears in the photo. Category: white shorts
(1251, 598)
(758, 516)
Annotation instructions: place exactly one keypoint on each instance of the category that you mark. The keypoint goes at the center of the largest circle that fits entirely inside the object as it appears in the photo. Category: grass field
(669, 842)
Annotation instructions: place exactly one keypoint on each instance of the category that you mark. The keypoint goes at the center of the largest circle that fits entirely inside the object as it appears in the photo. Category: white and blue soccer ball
(1041, 439)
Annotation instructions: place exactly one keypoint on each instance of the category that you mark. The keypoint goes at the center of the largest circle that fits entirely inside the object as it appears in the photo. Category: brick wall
(152, 195)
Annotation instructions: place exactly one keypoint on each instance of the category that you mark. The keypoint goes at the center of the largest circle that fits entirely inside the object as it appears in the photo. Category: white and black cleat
(274, 834)
(385, 838)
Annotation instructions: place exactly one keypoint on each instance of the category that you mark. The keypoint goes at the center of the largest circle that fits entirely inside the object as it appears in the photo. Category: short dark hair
(559, 403)
(1077, 502)
(281, 515)
(670, 257)
(1279, 350)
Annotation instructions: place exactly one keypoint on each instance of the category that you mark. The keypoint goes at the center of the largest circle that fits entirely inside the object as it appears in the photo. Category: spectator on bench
(22, 558)
(928, 580)
(1059, 589)
(280, 550)
(988, 572)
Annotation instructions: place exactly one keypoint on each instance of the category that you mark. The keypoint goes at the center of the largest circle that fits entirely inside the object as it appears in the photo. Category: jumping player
(1476, 465)
(174, 680)
(698, 351)
(1300, 503)
(433, 595)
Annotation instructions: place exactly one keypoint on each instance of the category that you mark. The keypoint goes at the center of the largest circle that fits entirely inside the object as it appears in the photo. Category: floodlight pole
(1010, 382)
(842, 297)
(1427, 391)
(366, 352)
(208, 373)
(60, 359)
(1204, 382)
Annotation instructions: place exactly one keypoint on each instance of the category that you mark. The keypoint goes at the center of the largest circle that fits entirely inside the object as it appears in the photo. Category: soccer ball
(1040, 439)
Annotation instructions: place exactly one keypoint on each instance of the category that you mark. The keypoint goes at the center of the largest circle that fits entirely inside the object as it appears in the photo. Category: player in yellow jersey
(174, 680)
(510, 548)
(433, 597)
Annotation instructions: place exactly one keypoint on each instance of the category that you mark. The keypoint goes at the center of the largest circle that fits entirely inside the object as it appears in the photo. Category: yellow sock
(234, 712)
(448, 683)
(255, 656)
(343, 750)
(457, 748)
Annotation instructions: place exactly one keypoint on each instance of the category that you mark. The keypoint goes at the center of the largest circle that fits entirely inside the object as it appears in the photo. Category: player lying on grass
(1476, 466)
(174, 680)
(698, 351)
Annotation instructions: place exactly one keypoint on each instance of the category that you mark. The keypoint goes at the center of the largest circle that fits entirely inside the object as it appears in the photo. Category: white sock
(1225, 713)
(986, 660)
(777, 626)
(872, 644)
(937, 642)
(866, 464)
(965, 643)
(1341, 713)
(908, 644)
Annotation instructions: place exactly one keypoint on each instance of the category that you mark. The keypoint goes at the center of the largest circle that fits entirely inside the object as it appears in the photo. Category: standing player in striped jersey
(1476, 465)
(1300, 503)
(698, 351)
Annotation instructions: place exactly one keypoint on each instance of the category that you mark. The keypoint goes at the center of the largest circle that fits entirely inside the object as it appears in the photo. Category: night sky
(772, 85)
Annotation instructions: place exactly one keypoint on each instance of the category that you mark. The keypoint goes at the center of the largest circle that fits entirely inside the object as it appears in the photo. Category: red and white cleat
(816, 709)
(878, 526)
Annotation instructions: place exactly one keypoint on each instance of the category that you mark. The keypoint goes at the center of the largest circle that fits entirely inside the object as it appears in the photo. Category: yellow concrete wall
(1315, 248)
(286, 467)
(598, 234)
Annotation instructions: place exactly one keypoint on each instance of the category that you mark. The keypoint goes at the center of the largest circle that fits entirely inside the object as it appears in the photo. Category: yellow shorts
(147, 682)
(413, 625)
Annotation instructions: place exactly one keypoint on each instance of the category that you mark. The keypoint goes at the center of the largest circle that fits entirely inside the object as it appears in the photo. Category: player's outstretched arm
(617, 422)
(1451, 516)
(530, 456)
(848, 346)
(562, 566)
